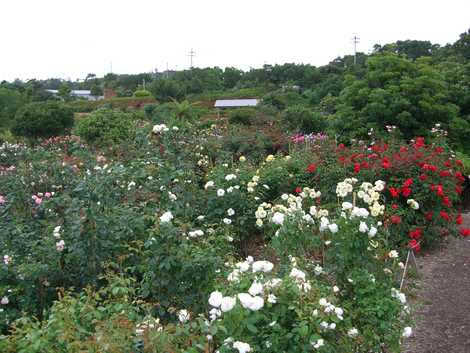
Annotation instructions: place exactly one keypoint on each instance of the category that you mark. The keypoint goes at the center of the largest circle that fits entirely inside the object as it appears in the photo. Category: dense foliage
(106, 126)
(42, 120)
(142, 245)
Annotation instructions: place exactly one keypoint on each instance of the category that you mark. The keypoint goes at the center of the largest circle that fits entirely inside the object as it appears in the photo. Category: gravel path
(443, 296)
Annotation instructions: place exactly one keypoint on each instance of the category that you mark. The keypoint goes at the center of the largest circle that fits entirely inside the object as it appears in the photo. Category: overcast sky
(70, 38)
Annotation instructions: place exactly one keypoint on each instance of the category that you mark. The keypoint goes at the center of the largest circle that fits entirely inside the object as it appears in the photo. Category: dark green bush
(299, 118)
(242, 116)
(149, 109)
(42, 120)
(106, 126)
(242, 142)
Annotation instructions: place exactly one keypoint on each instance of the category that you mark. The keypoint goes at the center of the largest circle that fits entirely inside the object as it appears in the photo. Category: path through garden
(443, 296)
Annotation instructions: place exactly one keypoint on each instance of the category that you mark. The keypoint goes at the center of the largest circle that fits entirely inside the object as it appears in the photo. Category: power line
(355, 42)
(192, 54)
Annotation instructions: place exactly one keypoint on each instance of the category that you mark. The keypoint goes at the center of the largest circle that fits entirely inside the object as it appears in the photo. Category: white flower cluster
(344, 188)
(203, 161)
(166, 217)
(195, 233)
(250, 187)
(6, 259)
(150, 323)
(244, 266)
(399, 295)
(438, 131)
(294, 203)
(158, 129)
(370, 194)
(258, 292)
(413, 204)
(367, 192)
(60, 244)
(240, 346)
(184, 316)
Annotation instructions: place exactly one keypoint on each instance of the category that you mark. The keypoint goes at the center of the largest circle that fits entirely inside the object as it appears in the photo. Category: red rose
(386, 163)
(416, 234)
(298, 189)
(445, 173)
(414, 245)
(394, 206)
(445, 215)
(458, 189)
(458, 219)
(440, 190)
(459, 162)
(357, 168)
(459, 176)
(311, 168)
(423, 177)
(407, 183)
(430, 167)
(395, 219)
(446, 202)
(406, 191)
(465, 232)
(439, 150)
(419, 142)
(394, 192)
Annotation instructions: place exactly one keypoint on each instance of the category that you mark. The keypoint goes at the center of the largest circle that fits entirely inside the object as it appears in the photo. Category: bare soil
(442, 310)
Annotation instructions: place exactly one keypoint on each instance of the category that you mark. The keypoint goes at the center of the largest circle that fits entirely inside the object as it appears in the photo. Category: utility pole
(355, 42)
(192, 54)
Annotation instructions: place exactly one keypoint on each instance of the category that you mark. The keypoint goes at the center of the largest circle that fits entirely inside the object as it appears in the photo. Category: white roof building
(83, 93)
(235, 103)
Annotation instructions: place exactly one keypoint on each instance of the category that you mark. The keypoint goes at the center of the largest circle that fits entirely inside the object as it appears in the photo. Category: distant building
(235, 103)
(79, 93)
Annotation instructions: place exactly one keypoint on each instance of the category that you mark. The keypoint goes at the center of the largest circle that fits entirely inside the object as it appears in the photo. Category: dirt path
(443, 317)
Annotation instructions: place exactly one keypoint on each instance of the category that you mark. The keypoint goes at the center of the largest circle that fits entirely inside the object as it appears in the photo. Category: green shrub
(42, 120)
(149, 109)
(106, 126)
(142, 93)
(10, 102)
(242, 116)
(299, 118)
(281, 100)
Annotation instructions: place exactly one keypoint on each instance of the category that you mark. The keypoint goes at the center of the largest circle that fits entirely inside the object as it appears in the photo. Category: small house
(236, 103)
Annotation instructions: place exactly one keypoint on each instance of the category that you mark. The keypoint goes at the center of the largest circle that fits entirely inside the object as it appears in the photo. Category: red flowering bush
(423, 184)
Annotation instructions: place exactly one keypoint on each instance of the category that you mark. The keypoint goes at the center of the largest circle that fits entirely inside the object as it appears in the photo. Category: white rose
(255, 288)
(166, 217)
(215, 299)
(278, 218)
(183, 316)
(227, 303)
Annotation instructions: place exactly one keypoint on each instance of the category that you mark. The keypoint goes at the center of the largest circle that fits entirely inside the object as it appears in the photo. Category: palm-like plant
(183, 111)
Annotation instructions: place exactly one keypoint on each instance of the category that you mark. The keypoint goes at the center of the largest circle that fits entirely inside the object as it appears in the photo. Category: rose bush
(172, 220)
